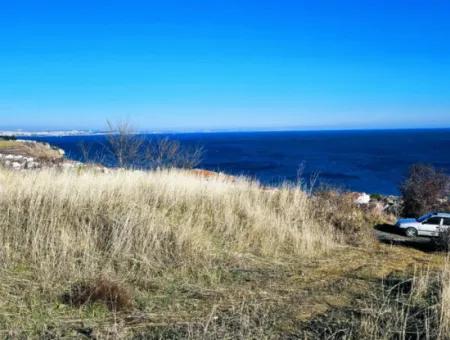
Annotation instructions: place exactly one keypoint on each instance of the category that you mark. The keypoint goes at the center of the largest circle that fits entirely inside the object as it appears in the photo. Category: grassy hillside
(37, 150)
(173, 255)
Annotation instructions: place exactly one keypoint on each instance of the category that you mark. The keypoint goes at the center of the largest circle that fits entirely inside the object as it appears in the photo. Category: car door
(446, 223)
(430, 227)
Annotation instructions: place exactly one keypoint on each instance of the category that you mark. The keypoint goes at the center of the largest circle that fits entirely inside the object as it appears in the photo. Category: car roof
(441, 214)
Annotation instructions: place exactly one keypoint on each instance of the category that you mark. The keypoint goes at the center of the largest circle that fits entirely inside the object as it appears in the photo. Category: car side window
(433, 220)
(447, 221)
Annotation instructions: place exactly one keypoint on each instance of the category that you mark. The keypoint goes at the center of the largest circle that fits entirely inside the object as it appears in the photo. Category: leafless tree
(124, 144)
(167, 153)
(91, 154)
(129, 149)
(85, 150)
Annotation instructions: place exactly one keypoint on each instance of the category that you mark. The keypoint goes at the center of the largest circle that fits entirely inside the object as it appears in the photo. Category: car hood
(406, 220)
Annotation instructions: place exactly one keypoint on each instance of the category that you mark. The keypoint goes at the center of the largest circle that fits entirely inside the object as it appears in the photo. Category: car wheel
(411, 232)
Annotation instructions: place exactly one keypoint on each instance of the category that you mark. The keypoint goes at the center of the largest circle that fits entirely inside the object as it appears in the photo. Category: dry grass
(6, 144)
(61, 228)
(398, 307)
(199, 257)
(37, 150)
(141, 223)
(445, 300)
(351, 222)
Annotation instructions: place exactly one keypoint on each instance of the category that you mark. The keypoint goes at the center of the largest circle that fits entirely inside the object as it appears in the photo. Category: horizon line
(87, 132)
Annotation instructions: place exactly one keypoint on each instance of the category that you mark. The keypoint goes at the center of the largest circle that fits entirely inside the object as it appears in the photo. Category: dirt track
(388, 234)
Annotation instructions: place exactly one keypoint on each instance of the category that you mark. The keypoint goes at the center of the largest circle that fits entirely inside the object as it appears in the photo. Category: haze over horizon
(216, 65)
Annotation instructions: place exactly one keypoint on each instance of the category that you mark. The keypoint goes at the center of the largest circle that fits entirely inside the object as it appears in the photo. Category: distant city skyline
(224, 65)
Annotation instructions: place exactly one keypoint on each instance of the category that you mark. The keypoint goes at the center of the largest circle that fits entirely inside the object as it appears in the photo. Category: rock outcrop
(27, 155)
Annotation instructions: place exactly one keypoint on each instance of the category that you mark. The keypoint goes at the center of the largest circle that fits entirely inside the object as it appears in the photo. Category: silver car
(427, 225)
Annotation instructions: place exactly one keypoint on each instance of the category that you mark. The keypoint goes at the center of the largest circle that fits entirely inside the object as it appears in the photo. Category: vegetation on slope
(40, 151)
(424, 190)
(173, 255)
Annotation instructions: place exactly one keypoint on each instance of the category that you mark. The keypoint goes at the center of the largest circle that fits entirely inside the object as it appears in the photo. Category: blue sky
(196, 65)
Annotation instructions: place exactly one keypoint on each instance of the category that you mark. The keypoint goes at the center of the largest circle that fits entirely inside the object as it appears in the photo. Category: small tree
(124, 144)
(128, 149)
(167, 153)
(425, 189)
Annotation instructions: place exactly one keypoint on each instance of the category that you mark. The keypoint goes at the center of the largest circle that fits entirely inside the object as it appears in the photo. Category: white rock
(16, 165)
(68, 165)
(32, 165)
(362, 199)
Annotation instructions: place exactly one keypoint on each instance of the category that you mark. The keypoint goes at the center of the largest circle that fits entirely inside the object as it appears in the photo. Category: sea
(372, 161)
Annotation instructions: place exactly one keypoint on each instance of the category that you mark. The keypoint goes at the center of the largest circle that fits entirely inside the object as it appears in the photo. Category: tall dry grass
(445, 302)
(415, 307)
(136, 224)
(92, 235)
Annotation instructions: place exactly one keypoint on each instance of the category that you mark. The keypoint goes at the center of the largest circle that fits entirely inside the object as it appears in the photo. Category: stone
(16, 165)
(363, 198)
(32, 165)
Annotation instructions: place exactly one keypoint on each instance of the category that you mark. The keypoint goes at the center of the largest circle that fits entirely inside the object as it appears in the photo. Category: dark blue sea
(373, 161)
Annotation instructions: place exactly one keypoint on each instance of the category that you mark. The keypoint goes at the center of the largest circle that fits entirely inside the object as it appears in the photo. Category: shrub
(7, 137)
(103, 290)
(350, 221)
(425, 189)
(442, 242)
(377, 197)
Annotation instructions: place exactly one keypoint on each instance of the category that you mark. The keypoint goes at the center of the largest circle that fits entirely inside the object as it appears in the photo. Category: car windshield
(424, 217)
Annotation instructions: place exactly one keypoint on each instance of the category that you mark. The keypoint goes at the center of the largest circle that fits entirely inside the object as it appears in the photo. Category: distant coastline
(76, 132)
(49, 133)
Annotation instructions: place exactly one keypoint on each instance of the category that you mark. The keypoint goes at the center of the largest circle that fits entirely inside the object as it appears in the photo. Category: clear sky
(231, 64)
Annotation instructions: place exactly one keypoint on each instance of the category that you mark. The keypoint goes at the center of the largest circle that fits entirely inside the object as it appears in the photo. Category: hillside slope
(170, 254)
(19, 154)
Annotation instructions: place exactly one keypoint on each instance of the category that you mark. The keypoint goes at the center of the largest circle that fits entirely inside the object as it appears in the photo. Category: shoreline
(56, 158)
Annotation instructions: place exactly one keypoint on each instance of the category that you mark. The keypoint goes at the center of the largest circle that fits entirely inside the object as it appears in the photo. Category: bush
(351, 222)
(442, 241)
(7, 137)
(424, 190)
(103, 290)
(376, 197)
